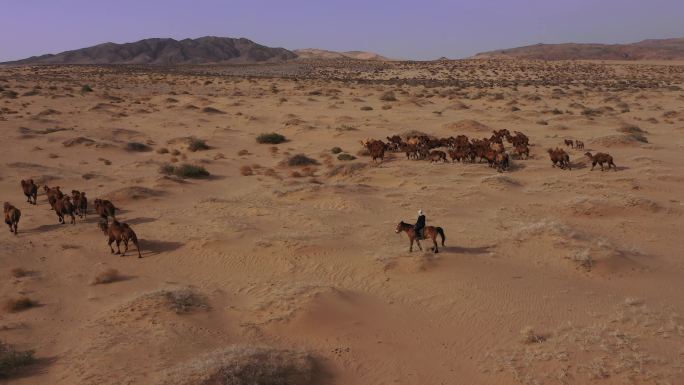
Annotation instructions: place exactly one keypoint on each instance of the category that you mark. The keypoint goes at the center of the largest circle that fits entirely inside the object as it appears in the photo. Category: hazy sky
(424, 29)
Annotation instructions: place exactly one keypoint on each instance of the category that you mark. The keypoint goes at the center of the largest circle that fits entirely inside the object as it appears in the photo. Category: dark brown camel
(12, 215)
(119, 232)
(30, 190)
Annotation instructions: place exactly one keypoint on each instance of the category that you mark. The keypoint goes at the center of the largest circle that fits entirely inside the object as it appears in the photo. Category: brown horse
(429, 231)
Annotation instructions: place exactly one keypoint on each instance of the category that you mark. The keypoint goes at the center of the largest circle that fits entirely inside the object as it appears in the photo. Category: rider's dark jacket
(420, 224)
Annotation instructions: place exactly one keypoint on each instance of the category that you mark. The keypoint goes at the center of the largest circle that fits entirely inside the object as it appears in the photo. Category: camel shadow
(44, 228)
(151, 247)
(137, 221)
(39, 366)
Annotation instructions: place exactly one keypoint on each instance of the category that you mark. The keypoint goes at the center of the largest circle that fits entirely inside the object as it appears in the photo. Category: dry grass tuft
(301, 160)
(18, 304)
(346, 169)
(270, 138)
(245, 365)
(529, 336)
(184, 301)
(12, 360)
(19, 272)
(106, 276)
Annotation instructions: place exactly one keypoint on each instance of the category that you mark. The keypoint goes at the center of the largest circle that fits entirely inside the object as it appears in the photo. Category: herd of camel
(463, 149)
(460, 148)
(66, 206)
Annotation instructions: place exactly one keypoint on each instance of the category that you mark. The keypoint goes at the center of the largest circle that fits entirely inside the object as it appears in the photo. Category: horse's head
(400, 227)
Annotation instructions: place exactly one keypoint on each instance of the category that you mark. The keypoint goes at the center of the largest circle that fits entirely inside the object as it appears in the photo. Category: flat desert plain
(271, 272)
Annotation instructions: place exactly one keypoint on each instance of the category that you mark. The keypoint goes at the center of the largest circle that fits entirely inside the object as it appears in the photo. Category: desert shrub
(137, 147)
(212, 110)
(270, 138)
(19, 272)
(243, 152)
(184, 300)
(529, 336)
(388, 97)
(167, 169)
(12, 360)
(366, 108)
(592, 112)
(9, 94)
(542, 122)
(106, 276)
(14, 305)
(346, 169)
(86, 88)
(246, 171)
(295, 174)
(346, 157)
(190, 171)
(635, 132)
(301, 160)
(163, 150)
(197, 145)
(336, 150)
(346, 127)
(184, 171)
(245, 365)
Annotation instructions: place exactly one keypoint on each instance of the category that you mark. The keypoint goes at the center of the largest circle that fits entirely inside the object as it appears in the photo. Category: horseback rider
(420, 224)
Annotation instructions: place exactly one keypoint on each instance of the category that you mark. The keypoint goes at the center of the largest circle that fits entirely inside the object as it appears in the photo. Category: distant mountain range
(654, 49)
(225, 50)
(204, 50)
(168, 51)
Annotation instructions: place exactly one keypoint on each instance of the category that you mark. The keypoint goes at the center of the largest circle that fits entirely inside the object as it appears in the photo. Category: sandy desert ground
(548, 276)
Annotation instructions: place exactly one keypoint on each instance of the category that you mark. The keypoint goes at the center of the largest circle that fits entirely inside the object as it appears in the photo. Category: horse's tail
(440, 231)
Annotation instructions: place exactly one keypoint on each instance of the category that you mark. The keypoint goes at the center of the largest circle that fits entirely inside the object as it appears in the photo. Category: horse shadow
(480, 250)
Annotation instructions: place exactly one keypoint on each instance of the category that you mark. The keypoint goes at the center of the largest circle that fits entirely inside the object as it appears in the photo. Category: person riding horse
(420, 225)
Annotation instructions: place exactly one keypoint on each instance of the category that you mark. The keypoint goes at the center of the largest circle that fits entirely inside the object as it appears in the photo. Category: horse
(429, 231)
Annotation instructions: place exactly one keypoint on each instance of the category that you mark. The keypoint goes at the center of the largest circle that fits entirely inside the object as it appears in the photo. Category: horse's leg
(118, 246)
(125, 242)
(419, 246)
(434, 241)
(109, 243)
(411, 247)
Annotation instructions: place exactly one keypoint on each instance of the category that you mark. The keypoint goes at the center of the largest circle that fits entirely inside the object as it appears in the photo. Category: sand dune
(266, 256)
